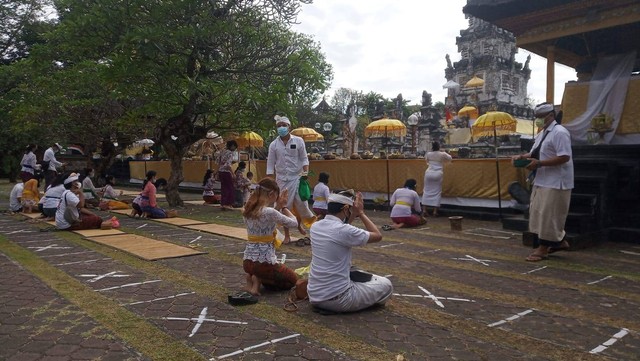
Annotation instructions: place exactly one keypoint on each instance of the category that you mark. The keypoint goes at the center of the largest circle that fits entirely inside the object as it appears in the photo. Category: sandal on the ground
(386, 227)
(536, 257)
(564, 246)
(300, 242)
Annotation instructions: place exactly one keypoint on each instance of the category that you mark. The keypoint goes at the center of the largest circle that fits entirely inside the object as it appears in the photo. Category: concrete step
(626, 235)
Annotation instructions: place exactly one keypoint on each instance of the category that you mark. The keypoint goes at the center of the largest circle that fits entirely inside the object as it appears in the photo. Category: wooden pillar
(551, 60)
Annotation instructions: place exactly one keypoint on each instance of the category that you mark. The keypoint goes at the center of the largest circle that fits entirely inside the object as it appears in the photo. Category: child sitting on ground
(208, 196)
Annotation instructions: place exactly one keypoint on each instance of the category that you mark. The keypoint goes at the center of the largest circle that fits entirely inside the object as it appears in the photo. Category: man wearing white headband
(332, 285)
(551, 169)
(288, 160)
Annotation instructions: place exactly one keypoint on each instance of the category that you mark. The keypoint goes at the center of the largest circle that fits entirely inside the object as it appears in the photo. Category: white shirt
(88, 187)
(403, 201)
(52, 196)
(557, 143)
(71, 201)
(28, 163)
(321, 193)
(287, 160)
(14, 198)
(331, 242)
(436, 159)
(50, 156)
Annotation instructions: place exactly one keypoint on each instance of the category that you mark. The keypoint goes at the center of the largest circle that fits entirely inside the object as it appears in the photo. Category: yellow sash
(403, 203)
(320, 199)
(271, 238)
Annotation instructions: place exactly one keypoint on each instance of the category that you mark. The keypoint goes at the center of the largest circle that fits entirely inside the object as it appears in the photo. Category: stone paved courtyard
(465, 295)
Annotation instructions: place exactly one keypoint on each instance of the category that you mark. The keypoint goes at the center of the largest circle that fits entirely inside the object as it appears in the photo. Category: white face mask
(539, 122)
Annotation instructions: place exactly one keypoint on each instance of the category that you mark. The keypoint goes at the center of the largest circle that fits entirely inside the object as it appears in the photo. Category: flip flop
(564, 246)
(300, 242)
(386, 227)
(307, 241)
(536, 257)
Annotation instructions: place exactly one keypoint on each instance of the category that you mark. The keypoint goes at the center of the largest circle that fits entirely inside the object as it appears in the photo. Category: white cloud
(400, 47)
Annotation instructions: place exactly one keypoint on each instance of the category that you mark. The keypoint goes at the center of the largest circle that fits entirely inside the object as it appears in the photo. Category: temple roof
(579, 30)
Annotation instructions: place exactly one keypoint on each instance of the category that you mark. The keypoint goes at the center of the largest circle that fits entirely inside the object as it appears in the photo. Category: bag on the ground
(304, 190)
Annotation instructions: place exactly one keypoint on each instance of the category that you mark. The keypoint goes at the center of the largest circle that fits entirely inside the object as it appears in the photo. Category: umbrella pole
(387, 161)
(495, 142)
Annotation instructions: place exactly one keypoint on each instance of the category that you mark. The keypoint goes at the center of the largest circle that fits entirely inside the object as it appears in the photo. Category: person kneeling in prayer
(331, 284)
(406, 211)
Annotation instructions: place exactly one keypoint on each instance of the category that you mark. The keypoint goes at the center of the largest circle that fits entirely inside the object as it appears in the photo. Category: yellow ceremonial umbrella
(474, 82)
(499, 123)
(249, 139)
(468, 110)
(494, 123)
(308, 134)
(386, 127)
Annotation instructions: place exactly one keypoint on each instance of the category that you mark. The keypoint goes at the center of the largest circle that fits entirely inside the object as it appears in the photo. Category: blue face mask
(283, 131)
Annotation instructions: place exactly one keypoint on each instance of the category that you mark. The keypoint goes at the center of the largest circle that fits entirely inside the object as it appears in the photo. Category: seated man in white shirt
(15, 198)
(331, 286)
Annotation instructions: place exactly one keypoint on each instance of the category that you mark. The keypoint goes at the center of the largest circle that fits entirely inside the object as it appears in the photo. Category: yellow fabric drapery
(467, 178)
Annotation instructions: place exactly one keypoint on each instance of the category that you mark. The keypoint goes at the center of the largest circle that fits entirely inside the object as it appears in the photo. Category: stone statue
(449, 65)
(526, 63)
(426, 99)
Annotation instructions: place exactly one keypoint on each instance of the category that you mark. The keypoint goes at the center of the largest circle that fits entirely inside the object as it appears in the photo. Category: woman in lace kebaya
(260, 261)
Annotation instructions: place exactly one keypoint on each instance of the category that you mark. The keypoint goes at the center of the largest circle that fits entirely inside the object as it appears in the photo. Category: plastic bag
(304, 189)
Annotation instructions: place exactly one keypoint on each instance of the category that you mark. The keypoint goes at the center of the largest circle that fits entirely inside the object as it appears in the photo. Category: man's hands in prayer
(358, 205)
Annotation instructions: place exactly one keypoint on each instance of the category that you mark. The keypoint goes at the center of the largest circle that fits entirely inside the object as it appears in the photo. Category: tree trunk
(176, 177)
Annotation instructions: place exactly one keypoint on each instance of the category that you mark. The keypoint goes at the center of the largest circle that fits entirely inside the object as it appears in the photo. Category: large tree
(178, 68)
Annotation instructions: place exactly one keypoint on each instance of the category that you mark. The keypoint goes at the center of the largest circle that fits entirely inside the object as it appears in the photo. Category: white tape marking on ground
(195, 239)
(199, 321)
(77, 262)
(534, 270)
(157, 299)
(431, 296)
(96, 277)
(477, 260)
(600, 280)
(431, 251)
(391, 245)
(440, 298)
(38, 241)
(142, 226)
(255, 346)
(51, 246)
(20, 231)
(127, 285)
(623, 332)
(68, 254)
(469, 259)
(224, 245)
(509, 319)
(629, 252)
(485, 235)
